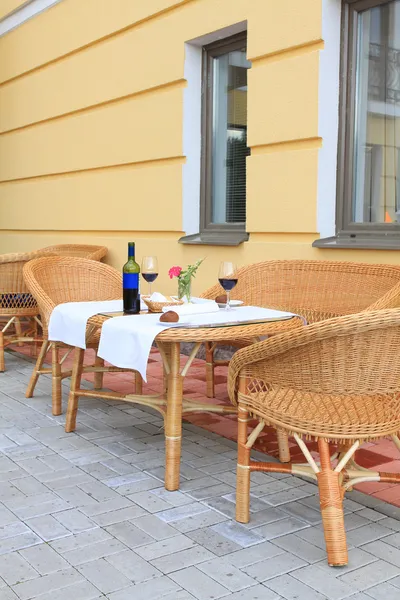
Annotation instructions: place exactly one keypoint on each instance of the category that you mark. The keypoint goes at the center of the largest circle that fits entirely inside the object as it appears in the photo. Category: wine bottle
(130, 283)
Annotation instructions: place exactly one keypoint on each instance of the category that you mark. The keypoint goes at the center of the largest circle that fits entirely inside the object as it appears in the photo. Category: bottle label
(130, 281)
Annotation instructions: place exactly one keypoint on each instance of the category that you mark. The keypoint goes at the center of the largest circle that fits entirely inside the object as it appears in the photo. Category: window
(369, 145)
(224, 140)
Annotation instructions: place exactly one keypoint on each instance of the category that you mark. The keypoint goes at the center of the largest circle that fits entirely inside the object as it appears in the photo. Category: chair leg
(341, 450)
(138, 383)
(36, 370)
(73, 399)
(34, 345)
(243, 470)
(98, 377)
(56, 380)
(18, 330)
(2, 366)
(283, 446)
(210, 370)
(331, 502)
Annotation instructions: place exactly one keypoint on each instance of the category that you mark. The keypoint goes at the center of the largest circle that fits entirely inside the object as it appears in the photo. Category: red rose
(174, 272)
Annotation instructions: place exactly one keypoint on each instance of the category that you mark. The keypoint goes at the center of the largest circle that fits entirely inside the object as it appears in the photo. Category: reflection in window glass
(376, 136)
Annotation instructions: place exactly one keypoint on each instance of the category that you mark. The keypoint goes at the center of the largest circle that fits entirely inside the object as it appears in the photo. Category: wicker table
(171, 403)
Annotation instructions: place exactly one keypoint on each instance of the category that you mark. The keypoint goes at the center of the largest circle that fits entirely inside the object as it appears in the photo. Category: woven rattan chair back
(18, 308)
(15, 298)
(316, 289)
(80, 250)
(334, 381)
(59, 279)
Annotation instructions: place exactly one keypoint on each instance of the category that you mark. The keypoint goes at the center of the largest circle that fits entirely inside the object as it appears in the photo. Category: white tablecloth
(68, 321)
(126, 341)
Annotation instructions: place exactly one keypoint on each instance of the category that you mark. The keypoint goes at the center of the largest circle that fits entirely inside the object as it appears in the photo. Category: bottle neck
(131, 251)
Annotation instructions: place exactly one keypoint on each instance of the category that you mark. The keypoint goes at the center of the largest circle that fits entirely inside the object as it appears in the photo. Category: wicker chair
(59, 279)
(79, 250)
(315, 289)
(16, 303)
(335, 381)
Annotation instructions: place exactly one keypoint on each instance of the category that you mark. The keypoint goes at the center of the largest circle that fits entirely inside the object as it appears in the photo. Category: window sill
(360, 242)
(220, 238)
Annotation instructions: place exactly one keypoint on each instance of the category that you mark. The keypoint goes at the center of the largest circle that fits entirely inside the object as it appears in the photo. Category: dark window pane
(376, 134)
(229, 137)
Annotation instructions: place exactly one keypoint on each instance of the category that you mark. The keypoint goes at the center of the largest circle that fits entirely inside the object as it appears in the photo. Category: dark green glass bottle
(130, 283)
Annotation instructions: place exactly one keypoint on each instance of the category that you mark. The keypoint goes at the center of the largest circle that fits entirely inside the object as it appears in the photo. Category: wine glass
(149, 270)
(228, 278)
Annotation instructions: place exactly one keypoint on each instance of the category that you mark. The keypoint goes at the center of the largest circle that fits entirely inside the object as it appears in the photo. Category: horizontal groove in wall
(287, 53)
(14, 10)
(255, 237)
(304, 144)
(96, 232)
(139, 164)
(98, 41)
(171, 84)
(282, 237)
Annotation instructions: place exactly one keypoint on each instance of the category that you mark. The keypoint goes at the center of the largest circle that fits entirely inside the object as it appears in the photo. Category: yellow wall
(9, 6)
(91, 117)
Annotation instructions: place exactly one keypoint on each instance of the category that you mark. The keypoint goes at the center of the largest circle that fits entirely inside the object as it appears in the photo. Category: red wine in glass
(228, 278)
(149, 270)
(150, 277)
(228, 284)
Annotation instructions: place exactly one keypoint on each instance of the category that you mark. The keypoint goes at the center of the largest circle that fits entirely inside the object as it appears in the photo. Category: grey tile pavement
(85, 515)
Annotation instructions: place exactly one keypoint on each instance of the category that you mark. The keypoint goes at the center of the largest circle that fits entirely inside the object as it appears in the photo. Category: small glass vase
(184, 290)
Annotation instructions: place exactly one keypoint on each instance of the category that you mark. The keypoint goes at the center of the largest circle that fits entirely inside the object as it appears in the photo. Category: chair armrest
(338, 327)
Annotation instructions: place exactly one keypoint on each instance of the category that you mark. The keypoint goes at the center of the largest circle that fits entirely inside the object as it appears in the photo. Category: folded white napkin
(157, 297)
(184, 310)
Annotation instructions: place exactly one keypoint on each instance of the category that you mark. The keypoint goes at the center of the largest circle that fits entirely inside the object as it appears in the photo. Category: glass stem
(150, 289)
(228, 299)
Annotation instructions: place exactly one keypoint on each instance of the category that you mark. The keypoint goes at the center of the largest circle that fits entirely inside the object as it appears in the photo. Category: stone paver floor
(85, 516)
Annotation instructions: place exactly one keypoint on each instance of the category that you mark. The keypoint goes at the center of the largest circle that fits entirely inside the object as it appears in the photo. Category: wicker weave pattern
(79, 250)
(16, 303)
(339, 373)
(316, 289)
(14, 294)
(337, 380)
(157, 307)
(58, 279)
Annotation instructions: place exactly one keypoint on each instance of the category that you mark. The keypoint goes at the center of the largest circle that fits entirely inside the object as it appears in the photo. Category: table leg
(73, 399)
(138, 383)
(173, 421)
(210, 369)
(283, 446)
(56, 379)
(167, 352)
(98, 377)
(1, 351)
